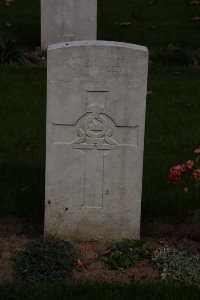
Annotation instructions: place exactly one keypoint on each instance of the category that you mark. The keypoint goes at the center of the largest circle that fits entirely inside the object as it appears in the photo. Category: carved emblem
(95, 129)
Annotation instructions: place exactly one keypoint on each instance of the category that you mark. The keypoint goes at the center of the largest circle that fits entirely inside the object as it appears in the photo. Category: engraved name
(106, 72)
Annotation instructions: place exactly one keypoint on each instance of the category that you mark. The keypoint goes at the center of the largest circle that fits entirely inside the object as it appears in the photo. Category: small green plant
(177, 265)
(46, 259)
(10, 54)
(124, 254)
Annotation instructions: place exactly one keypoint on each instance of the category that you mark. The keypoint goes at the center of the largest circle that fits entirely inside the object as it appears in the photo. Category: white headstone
(95, 135)
(67, 20)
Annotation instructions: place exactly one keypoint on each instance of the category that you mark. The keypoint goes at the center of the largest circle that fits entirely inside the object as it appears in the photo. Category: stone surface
(96, 102)
(67, 20)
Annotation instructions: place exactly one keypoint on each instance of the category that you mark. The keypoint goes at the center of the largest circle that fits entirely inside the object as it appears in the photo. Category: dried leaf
(149, 93)
(195, 19)
(9, 2)
(8, 24)
(197, 150)
(152, 27)
(195, 2)
(164, 244)
(106, 252)
(125, 24)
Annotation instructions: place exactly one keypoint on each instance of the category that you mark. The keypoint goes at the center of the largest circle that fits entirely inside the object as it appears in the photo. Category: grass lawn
(22, 148)
(172, 118)
(103, 291)
(21, 21)
(154, 23)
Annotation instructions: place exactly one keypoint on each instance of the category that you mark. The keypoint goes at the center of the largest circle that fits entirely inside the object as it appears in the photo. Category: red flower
(103, 278)
(175, 173)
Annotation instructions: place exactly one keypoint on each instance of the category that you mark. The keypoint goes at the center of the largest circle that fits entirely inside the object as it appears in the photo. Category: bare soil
(14, 235)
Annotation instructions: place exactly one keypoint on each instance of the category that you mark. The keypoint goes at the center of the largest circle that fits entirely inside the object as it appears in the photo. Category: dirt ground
(15, 234)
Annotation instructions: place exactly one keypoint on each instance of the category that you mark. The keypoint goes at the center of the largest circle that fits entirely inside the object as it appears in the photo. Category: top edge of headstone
(97, 43)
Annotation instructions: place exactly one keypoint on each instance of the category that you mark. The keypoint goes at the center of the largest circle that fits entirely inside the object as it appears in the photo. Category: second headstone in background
(67, 20)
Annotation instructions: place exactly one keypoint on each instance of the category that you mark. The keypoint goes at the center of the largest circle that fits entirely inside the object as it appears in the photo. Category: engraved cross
(94, 130)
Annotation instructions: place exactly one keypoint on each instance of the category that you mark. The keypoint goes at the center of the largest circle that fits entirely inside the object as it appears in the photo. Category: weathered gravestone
(95, 136)
(67, 20)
